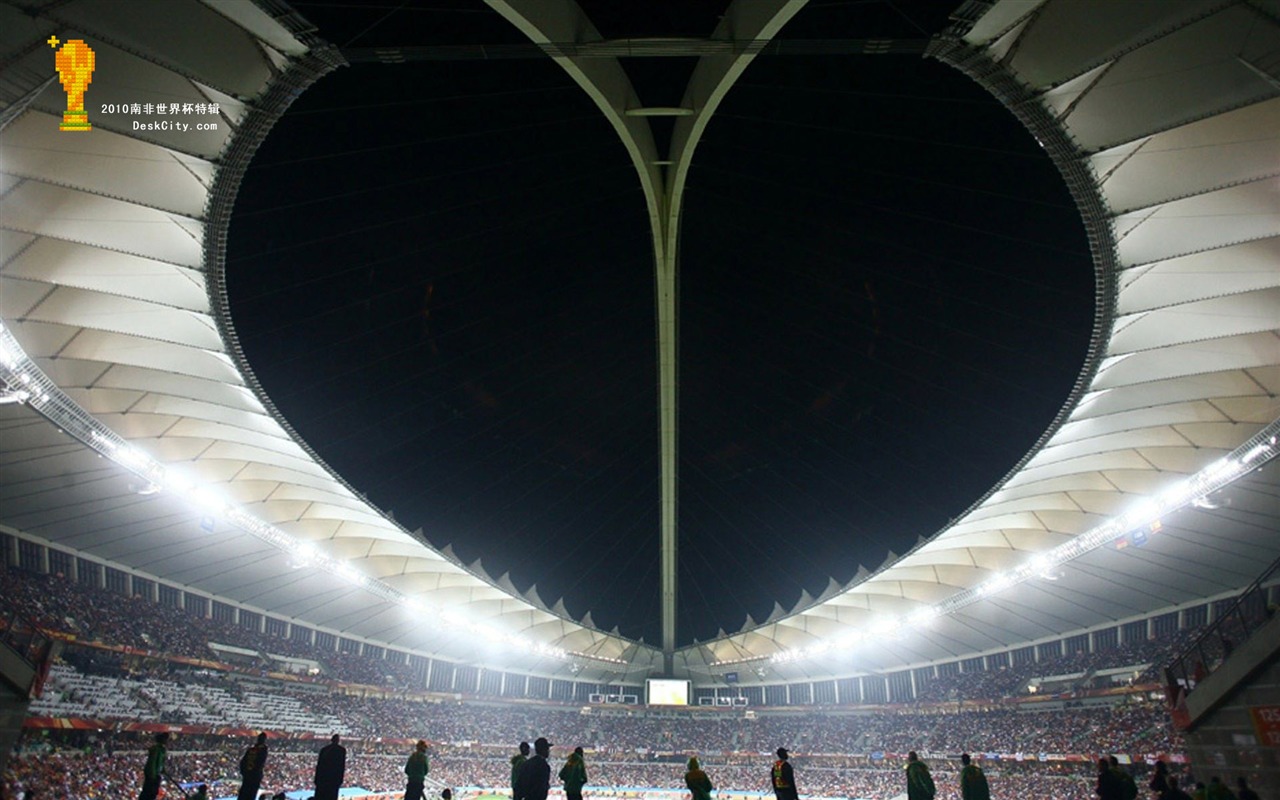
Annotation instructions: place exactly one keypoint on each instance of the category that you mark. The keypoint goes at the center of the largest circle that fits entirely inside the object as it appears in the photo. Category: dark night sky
(441, 273)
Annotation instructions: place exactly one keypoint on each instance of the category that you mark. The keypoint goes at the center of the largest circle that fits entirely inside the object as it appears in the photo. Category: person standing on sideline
(1172, 792)
(517, 761)
(1128, 786)
(697, 781)
(1109, 787)
(574, 775)
(783, 777)
(534, 780)
(919, 781)
(1159, 779)
(1218, 790)
(153, 770)
(416, 768)
(331, 768)
(1245, 792)
(251, 765)
(973, 781)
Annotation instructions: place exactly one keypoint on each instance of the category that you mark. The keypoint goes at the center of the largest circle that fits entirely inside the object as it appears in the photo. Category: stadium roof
(1162, 118)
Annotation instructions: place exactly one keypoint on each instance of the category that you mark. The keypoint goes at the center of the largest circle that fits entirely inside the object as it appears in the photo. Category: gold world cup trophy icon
(75, 72)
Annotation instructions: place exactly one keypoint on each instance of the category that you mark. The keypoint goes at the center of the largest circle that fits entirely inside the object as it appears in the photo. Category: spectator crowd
(841, 752)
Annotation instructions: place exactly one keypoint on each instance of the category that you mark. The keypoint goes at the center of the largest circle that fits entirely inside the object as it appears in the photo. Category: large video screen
(660, 692)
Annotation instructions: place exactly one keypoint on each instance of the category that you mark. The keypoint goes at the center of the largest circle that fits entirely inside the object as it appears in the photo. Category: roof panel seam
(95, 245)
(1199, 193)
(1210, 249)
(1182, 123)
(97, 193)
(1135, 45)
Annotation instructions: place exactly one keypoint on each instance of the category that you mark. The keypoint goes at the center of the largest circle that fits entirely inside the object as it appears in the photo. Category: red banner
(1266, 722)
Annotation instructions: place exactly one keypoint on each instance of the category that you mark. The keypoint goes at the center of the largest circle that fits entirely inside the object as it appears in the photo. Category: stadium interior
(177, 558)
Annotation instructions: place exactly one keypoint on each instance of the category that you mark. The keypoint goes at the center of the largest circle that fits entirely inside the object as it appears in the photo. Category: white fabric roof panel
(1195, 224)
(1183, 279)
(1156, 169)
(102, 271)
(105, 165)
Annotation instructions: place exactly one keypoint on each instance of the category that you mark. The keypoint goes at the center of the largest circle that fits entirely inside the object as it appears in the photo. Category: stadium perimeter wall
(1237, 727)
(16, 677)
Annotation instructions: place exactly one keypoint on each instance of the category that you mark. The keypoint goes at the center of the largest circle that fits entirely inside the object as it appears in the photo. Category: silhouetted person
(1160, 778)
(574, 775)
(1244, 792)
(517, 761)
(416, 769)
(697, 781)
(252, 763)
(783, 777)
(919, 781)
(1128, 786)
(535, 776)
(331, 769)
(973, 781)
(1171, 791)
(153, 770)
(1218, 790)
(1109, 787)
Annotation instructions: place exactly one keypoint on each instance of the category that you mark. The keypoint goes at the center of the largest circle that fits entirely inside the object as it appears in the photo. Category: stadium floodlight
(995, 584)
(349, 573)
(885, 626)
(206, 500)
(304, 555)
(922, 617)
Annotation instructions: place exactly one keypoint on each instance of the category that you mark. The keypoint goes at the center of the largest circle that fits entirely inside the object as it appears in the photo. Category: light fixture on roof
(302, 556)
(922, 617)
(1144, 515)
(22, 381)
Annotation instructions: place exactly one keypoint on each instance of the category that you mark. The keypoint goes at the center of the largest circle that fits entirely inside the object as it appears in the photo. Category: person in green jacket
(697, 781)
(919, 781)
(153, 770)
(517, 761)
(973, 781)
(574, 775)
(416, 768)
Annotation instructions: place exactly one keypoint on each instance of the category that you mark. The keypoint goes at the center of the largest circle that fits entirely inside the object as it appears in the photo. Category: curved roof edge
(114, 323)
(1008, 62)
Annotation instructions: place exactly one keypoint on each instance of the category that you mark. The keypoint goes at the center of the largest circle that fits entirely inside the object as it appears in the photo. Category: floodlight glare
(923, 617)
(884, 626)
(206, 500)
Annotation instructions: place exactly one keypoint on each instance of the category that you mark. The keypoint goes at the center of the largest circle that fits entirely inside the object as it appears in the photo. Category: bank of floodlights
(1145, 514)
(21, 381)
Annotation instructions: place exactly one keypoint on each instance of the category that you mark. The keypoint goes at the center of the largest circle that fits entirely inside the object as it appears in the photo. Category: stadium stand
(1131, 654)
(1037, 743)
